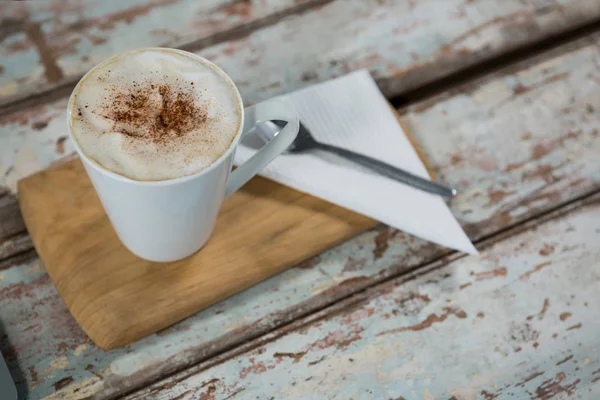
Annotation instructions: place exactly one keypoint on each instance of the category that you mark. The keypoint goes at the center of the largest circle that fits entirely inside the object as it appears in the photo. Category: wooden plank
(51, 44)
(531, 132)
(512, 128)
(404, 43)
(96, 275)
(530, 333)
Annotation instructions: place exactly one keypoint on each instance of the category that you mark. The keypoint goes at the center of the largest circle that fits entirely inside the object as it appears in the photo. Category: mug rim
(162, 182)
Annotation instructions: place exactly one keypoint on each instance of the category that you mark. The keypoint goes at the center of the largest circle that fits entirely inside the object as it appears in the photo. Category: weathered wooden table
(503, 96)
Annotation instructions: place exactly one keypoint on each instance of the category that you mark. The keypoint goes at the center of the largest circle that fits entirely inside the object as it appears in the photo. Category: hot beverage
(154, 114)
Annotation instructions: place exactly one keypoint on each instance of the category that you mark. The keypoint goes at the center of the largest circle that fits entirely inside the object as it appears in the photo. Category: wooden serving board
(117, 298)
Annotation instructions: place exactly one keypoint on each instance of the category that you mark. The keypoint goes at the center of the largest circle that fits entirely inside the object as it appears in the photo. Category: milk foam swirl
(154, 114)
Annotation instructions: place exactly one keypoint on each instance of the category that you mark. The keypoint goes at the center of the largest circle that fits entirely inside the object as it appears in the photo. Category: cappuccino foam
(154, 115)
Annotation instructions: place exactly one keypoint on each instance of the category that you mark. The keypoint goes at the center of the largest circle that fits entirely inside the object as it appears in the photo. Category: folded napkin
(351, 112)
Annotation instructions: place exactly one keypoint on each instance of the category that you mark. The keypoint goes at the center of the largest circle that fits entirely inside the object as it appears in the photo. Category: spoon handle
(391, 172)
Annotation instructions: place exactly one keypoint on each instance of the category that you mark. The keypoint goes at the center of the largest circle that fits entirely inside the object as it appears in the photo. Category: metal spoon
(305, 141)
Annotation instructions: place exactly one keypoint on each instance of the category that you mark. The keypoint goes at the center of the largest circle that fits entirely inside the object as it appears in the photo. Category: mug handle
(265, 111)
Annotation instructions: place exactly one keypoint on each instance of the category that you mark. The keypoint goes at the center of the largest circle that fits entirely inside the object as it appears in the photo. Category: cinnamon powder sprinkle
(157, 113)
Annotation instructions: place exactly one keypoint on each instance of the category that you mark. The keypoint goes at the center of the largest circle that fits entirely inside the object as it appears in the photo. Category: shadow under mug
(172, 219)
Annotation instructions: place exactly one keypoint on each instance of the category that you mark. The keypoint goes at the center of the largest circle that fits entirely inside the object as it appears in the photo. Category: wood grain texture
(464, 150)
(47, 45)
(532, 137)
(517, 321)
(405, 44)
(261, 230)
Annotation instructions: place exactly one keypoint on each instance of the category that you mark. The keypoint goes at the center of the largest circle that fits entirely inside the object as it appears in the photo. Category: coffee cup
(168, 219)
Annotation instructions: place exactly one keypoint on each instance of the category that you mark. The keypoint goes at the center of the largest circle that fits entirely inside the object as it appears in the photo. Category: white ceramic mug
(172, 219)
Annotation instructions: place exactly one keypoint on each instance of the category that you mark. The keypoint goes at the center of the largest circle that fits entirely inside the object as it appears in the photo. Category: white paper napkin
(351, 112)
